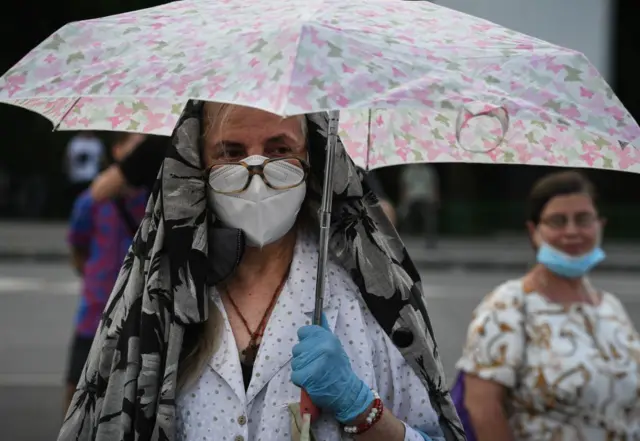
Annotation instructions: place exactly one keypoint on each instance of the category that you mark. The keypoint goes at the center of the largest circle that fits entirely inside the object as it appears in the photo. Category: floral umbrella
(543, 104)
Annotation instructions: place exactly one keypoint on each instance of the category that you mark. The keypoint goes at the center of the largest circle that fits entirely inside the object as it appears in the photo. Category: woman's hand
(322, 368)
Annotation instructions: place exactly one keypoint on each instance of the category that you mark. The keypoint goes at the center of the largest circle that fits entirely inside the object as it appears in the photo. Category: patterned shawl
(160, 301)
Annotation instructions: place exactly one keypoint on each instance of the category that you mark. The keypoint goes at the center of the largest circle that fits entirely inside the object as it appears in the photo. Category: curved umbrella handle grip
(307, 407)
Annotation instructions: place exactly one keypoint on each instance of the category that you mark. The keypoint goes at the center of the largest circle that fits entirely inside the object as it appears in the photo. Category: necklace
(248, 354)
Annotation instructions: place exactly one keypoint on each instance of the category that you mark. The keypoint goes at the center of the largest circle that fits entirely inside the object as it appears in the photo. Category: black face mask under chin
(226, 248)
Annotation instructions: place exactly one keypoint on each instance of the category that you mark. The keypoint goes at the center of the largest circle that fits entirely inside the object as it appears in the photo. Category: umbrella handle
(307, 407)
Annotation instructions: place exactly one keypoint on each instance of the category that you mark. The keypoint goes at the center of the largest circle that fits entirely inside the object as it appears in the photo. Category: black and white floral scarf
(128, 387)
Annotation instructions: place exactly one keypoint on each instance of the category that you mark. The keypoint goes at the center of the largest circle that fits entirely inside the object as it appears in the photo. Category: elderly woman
(549, 356)
(207, 335)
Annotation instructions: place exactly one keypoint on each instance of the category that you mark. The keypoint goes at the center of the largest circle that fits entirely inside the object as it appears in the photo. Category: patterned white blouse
(573, 371)
(217, 407)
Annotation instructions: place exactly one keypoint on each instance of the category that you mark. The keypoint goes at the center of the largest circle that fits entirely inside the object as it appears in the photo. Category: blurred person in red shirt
(100, 234)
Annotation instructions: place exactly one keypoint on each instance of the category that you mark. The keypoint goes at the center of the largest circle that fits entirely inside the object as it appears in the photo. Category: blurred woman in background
(550, 356)
(100, 234)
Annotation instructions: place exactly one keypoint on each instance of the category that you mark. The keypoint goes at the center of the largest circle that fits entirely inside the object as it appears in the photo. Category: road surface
(37, 304)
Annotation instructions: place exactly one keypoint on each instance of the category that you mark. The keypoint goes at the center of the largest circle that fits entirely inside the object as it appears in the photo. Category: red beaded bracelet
(373, 417)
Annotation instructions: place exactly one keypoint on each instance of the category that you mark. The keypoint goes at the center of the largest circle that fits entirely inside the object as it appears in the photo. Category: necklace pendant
(250, 353)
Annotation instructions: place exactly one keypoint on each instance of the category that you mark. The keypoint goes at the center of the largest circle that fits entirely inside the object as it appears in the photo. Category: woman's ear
(603, 222)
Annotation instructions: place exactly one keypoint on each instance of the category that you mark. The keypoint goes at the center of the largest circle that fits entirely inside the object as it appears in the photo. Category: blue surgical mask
(565, 265)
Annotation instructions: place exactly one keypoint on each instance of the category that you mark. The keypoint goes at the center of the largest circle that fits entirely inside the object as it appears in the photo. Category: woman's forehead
(569, 203)
(236, 123)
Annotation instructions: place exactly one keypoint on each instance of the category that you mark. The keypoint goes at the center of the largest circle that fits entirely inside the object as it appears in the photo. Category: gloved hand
(322, 368)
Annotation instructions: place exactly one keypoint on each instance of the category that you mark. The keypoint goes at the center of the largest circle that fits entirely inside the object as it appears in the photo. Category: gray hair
(195, 362)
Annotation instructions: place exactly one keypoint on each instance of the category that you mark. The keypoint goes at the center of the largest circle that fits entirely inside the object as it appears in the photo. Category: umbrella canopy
(542, 104)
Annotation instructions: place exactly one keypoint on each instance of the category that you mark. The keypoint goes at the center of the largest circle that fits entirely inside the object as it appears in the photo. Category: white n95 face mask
(262, 213)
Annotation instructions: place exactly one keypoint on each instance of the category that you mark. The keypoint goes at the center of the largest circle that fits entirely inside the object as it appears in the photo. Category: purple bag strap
(457, 395)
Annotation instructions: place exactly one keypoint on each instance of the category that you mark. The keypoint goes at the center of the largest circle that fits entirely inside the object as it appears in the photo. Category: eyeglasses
(560, 221)
(277, 173)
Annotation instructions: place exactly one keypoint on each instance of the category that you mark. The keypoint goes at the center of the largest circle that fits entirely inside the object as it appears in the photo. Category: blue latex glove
(322, 368)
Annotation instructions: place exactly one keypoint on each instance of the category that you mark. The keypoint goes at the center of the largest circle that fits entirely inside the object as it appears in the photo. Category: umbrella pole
(308, 411)
(325, 213)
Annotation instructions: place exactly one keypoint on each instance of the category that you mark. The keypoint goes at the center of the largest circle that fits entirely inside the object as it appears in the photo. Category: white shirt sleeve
(495, 339)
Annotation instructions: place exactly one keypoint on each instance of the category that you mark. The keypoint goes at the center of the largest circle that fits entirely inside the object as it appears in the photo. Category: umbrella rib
(66, 113)
(200, 14)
